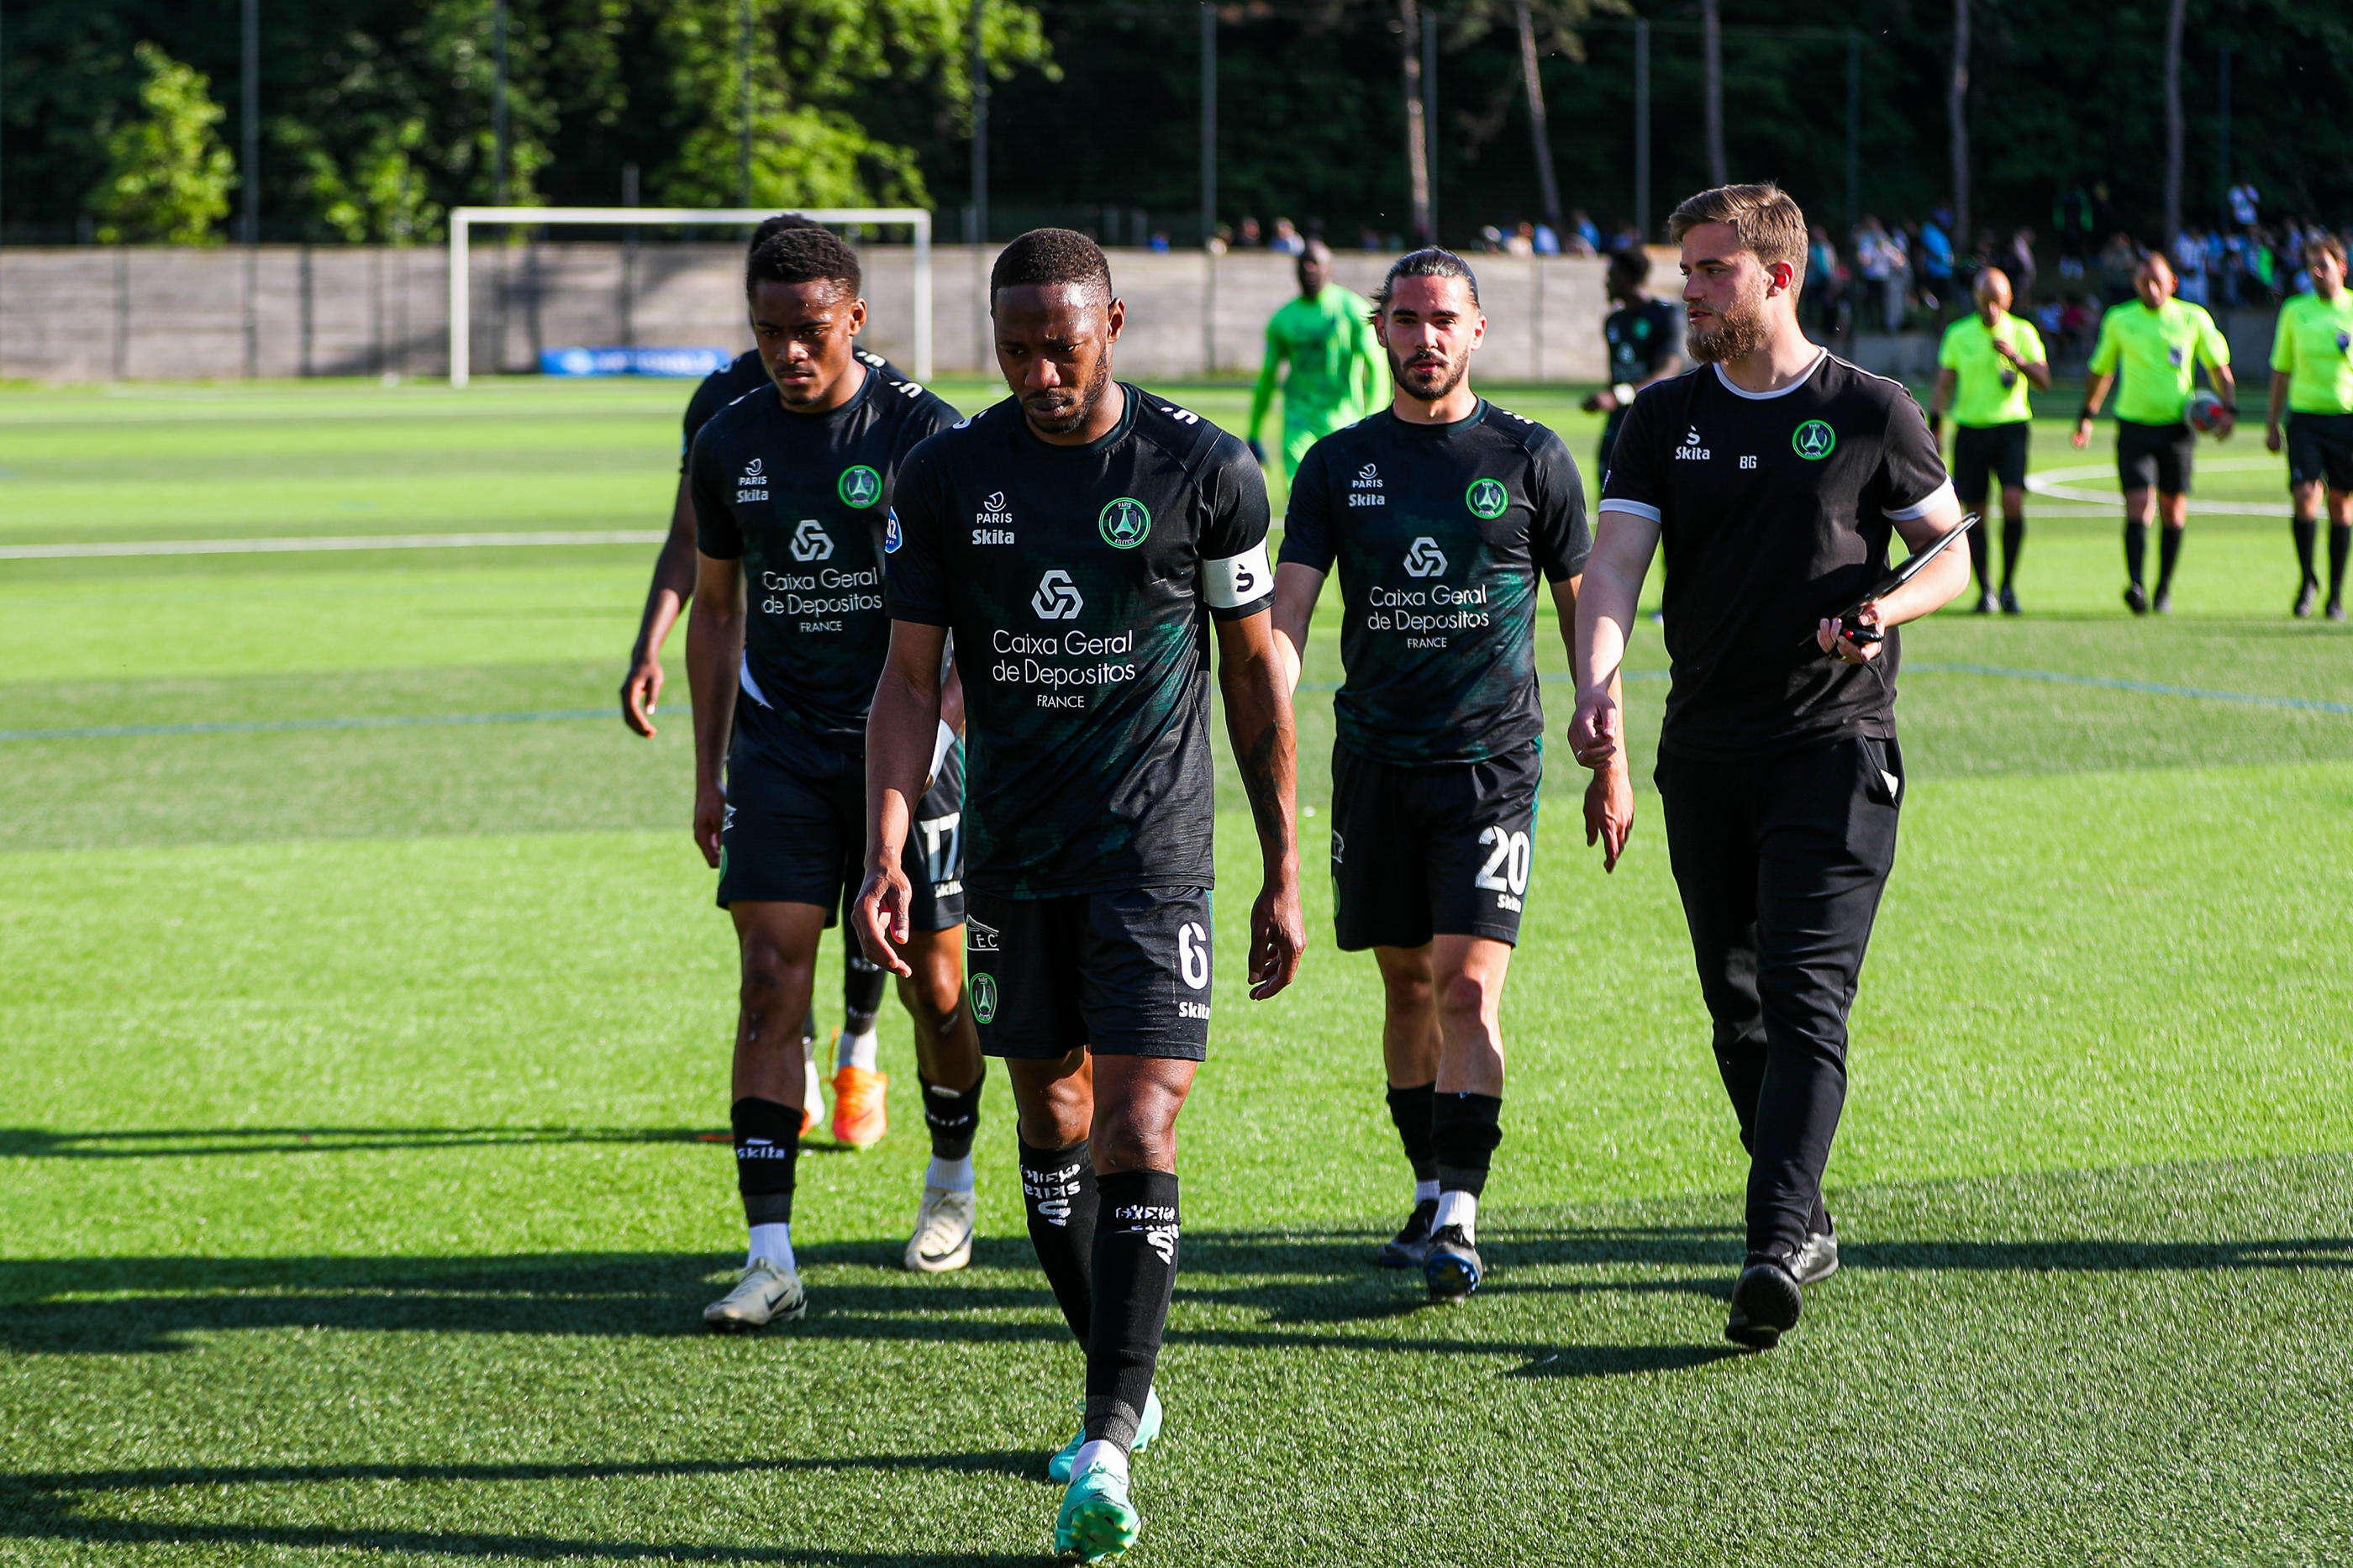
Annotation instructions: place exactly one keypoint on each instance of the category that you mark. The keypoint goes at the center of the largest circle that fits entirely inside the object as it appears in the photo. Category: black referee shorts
(1431, 851)
(1979, 450)
(2154, 455)
(1123, 973)
(2320, 448)
(795, 830)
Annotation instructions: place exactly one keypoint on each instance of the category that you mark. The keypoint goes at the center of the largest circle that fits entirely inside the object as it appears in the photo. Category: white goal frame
(463, 219)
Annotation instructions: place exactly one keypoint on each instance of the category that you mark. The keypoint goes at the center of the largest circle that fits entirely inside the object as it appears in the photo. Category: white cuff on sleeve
(1925, 505)
(1642, 510)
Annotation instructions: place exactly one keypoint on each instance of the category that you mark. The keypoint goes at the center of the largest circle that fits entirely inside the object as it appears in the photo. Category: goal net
(511, 304)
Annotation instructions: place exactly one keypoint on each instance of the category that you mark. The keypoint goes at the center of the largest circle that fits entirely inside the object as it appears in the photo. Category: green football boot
(1058, 1469)
(1097, 1521)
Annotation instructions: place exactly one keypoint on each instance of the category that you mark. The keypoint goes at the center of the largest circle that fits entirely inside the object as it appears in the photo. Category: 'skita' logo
(811, 541)
(992, 524)
(1691, 451)
(1056, 598)
(1424, 559)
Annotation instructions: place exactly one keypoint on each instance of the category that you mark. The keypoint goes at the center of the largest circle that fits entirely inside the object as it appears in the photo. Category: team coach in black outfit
(1774, 473)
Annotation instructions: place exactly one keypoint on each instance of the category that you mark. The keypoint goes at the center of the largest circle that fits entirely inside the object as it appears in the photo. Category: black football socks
(2307, 531)
(2168, 556)
(767, 1147)
(861, 989)
(1465, 1130)
(1059, 1191)
(2014, 545)
(953, 1116)
(1412, 1109)
(2340, 544)
(1134, 1275)
(2135, 551)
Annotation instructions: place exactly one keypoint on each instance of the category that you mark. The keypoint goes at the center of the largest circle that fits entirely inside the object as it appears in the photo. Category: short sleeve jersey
(1773, 509)
(1078, 583)
(1986, 388)
(746, 374)
(1641, 337)
(2315, 346)
(1439, 531)
(2157, 351)
(802, 500)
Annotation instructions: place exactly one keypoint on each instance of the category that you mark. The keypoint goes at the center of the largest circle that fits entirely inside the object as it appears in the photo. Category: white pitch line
(353, 541)
(2058, 484)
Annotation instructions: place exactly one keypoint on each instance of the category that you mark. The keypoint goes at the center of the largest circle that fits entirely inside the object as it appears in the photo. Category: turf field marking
(2146, 688)
(2058, 484)
(353, 541)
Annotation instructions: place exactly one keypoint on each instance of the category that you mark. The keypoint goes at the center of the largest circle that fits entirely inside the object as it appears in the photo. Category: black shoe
(1450, 1266)
(1987, 603)
(2135, 598)
(1817, 1260)
(2306, 597)
(1405, 1249)
(2163, 604)
(2009, 601)
(1765, 1302)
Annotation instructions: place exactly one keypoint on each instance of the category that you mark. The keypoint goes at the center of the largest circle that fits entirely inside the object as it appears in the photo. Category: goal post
(463, 219)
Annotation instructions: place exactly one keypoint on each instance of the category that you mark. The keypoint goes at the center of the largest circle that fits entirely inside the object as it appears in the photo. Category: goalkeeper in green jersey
(1326, 334)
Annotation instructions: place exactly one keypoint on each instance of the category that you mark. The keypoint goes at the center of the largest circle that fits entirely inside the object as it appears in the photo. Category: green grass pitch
(359, 1072)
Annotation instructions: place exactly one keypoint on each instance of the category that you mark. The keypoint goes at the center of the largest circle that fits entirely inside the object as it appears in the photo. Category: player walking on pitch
(1081, 539)
(860, 1114)
(1986, 363)
(1335, 367)
(1442, 510)
(791, 488)
(2157, 342)
(1775, 475)
(2312, 378)
(1642, 335)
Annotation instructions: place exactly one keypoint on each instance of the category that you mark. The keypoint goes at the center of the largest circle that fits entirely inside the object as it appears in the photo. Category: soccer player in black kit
(1442, 512)
(859, 1117)
(792, 490)
(1081, 538)
(1776, 475)
(1641, 334)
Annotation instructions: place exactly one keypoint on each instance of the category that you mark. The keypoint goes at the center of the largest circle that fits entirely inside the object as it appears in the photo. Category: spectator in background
(1547, 240)
(1249, 238)
(1587, 232)
(1287, 237)
(1367, 237)
(2018, 260)
(1159, 241)
(1825, 285)
(2246, 203)
(1898, 299)
(2119, 259)
(1935, 257)
(1629, 239)
(1221, 241)
(1872, 263)
(2190, 265)
(1522, 240)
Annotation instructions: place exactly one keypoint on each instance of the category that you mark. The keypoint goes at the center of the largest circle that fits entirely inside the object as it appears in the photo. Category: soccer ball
(2205, 412)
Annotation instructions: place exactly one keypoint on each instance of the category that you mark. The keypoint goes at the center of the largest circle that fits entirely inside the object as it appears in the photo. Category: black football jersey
(1641, 337)
(802, 500)
(746, 374)
(1439, 532)
(1079, 582)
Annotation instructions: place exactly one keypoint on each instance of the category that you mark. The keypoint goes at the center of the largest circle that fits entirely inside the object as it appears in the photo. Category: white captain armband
(1236, 579)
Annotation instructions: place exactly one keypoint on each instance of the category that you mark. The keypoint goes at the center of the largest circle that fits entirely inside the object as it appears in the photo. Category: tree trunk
(2173, 21)
(1957, 116)
(1711, 28)
(1417, 142)
(1539, 124)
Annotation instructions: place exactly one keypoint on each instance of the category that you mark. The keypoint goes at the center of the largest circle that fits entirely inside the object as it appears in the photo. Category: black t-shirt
(746, 374)
(1440, 530)
(1074, 580)
(1775, 511)
(1640, 338)
(802, 500)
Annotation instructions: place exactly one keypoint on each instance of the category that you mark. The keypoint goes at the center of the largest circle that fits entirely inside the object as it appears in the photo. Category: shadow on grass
(49, 1506)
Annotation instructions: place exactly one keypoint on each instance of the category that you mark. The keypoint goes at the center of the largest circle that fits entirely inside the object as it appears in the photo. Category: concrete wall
(164, 313)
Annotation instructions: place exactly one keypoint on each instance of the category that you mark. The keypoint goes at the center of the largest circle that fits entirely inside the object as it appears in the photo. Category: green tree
(167, 175)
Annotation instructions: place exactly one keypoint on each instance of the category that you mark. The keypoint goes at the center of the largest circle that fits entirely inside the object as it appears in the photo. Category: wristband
(2085, 415)
(940, 750)
(1623, 392)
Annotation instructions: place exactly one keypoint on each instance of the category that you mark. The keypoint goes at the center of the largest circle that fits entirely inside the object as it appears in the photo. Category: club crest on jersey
(2175, 355)
(1124, 523)
(1813, 440)
(1368, 477)
(982, 991)
(811, 541)
(2343, 342)
(1691, 451)
(1056, 598)
(992, 524)
(860, 486)
(1424, 559)
(1486, 498)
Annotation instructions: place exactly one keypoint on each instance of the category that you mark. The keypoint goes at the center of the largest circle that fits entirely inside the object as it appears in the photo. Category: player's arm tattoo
(1268, 767)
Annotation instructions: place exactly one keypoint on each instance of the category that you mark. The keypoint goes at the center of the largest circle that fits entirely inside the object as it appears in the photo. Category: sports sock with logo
(2340, 545)
(2135, 550)
(2307, 531)
(2168, 555)
(1465, 1129)
(952, 1116)
(2014, 545)
(1059, 1194)
(767, 1147)
(862, 1000)
(1411, 1110)
(1135, 1276)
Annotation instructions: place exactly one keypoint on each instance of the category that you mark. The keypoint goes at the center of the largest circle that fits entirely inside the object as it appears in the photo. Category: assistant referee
(2312, 378)
(1776, 475)
(1986, 363)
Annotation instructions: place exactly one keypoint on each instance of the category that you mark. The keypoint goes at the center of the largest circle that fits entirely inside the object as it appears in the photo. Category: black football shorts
(1983, 451)
(2321, 449)
(2160, 456)
(1420, 852)
(1123, 973)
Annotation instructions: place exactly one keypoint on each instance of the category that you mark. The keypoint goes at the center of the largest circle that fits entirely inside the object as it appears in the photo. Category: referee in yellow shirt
(2157, 342)
(1985, 364)
(2312, 375)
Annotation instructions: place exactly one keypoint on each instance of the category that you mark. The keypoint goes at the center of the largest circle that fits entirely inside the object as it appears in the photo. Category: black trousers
(1781, 861)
